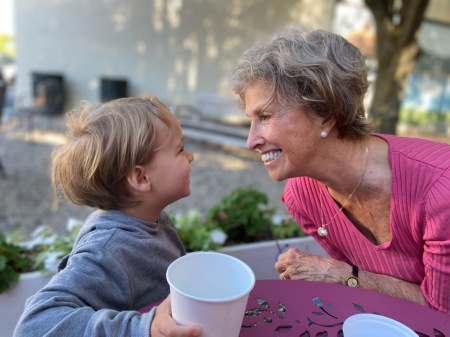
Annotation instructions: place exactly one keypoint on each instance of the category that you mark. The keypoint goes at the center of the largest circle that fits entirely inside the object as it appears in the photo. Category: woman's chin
(276, 176)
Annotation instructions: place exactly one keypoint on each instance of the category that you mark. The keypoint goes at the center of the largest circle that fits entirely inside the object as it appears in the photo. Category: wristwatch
(352, 281)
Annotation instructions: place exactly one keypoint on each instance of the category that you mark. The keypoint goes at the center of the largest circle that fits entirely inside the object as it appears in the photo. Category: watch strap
(352, 281)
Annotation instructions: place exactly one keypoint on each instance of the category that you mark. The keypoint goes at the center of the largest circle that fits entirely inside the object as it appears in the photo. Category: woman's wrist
(352, 280)
(340, 272)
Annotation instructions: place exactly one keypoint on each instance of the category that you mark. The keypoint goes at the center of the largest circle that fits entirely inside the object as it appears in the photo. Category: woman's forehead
(256, 96)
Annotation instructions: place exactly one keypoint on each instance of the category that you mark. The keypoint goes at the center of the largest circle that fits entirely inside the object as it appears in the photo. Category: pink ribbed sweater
(419, 250)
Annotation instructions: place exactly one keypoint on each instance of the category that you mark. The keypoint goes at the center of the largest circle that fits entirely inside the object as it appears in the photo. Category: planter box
(261, 256)
(13, 300)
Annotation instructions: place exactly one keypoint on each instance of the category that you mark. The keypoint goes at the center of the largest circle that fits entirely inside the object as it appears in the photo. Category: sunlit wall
(175, 49)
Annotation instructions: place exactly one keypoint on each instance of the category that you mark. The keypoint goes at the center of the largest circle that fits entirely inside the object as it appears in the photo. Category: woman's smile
(270, 156)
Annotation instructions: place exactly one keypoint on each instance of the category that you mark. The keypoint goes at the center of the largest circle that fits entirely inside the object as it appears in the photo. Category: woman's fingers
(297, 265)
(286, 260)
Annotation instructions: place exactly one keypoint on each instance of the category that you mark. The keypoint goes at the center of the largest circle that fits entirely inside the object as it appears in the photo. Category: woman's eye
(264, 117)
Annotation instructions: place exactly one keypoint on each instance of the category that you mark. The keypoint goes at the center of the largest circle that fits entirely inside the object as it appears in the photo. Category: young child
(126, 158)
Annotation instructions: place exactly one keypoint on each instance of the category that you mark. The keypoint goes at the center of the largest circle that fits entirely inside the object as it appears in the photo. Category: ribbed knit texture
(419, 250)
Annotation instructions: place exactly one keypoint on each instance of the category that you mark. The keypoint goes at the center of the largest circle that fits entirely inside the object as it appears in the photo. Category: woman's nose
(253, 138)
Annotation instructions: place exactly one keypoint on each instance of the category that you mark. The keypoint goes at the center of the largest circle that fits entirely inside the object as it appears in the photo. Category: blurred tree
(7, 49)
(398, 23)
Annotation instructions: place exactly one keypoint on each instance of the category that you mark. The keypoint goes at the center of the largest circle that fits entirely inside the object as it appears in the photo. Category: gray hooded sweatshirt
(116, 267)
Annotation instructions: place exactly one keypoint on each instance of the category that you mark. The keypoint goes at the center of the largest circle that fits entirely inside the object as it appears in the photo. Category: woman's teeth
(269, 156)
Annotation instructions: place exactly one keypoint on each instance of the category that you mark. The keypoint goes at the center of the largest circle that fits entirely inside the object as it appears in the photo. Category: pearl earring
(323, 134)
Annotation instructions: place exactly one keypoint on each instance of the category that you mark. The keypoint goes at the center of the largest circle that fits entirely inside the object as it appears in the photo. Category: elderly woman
(378, 204)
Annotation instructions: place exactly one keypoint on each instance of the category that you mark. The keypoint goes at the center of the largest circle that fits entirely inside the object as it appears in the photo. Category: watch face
(352, 282)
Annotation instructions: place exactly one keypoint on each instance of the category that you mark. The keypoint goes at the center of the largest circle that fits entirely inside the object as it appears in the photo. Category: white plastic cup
(210, 289)
(372, 325)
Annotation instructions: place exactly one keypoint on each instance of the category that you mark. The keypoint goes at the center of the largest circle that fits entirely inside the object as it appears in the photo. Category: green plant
(422, 117)
(244, 215)
(7, 47)
(13, 261)
(283, 227)
(48, 248)
(196, 234)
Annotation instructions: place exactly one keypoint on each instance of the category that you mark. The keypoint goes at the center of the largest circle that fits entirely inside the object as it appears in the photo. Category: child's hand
(164, 325)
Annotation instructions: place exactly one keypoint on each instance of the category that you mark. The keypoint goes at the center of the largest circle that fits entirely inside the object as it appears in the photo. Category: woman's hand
(164, 325)
(297, 265)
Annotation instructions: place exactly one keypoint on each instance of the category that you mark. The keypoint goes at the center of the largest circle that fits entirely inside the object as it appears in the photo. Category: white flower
(40, 231)
(40, 238)
(277, 219)
(73, 224)
(177, 216)
(52, 261)
(218, 236)
(263, 207)
(193, 214)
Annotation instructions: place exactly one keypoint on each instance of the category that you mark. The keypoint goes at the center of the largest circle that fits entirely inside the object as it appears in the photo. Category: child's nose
(190, 156)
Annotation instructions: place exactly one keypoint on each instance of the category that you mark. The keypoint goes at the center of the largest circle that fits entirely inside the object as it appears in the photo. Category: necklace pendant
(322, 231)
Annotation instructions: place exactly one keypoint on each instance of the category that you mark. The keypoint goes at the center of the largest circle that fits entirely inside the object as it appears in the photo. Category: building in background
(183, 51)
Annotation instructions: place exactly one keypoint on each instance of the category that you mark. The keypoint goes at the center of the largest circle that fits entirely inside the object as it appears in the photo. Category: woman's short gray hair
(318, 70)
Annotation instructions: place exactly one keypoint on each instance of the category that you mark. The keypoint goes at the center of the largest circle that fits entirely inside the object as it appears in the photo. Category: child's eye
(182, 149)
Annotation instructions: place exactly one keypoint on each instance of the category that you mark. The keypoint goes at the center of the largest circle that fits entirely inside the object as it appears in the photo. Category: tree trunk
(397, 50)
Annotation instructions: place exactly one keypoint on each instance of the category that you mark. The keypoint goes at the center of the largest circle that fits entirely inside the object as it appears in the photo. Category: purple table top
(303, 309)
(307, 309)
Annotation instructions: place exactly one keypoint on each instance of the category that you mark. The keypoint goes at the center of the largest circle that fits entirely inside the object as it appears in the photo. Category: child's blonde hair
(104, 142)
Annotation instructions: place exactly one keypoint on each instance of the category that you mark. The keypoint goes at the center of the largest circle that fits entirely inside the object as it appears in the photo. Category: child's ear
(139, 179)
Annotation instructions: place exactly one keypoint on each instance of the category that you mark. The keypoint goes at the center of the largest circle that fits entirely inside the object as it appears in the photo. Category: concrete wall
(12, 302)
(175, 49)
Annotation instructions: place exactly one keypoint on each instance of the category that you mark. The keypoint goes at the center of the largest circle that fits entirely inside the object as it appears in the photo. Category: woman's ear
(329, 124)
(139, 179)
(326, 127)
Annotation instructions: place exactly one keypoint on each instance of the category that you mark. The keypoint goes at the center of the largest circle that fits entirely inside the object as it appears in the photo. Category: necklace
(322, 230)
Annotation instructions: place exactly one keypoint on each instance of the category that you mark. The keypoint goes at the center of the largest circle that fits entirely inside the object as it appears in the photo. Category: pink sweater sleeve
(436, 256)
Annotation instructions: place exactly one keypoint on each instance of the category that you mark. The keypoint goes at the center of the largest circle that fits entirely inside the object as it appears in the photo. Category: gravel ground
(26, 194)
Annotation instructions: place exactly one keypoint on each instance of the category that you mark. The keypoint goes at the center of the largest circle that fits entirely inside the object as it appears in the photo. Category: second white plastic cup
(210, 289)
(371, 325)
